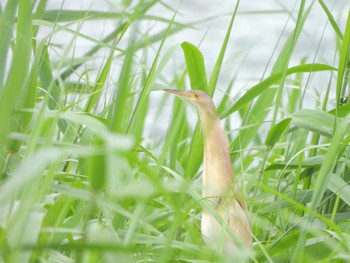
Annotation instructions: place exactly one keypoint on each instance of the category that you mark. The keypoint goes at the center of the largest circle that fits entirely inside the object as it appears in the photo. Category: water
(259, 32)
(257, 28)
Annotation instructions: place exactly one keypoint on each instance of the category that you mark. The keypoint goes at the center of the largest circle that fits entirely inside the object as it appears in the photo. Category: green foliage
(195, 66)
(261, 87)
(344, 58)
(276, 132)
(88, 175)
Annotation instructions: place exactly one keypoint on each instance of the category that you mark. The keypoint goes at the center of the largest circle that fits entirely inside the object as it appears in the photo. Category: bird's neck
(218, 174)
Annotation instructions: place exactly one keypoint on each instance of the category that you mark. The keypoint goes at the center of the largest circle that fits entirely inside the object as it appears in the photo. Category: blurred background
(259, 32)
(98, 164)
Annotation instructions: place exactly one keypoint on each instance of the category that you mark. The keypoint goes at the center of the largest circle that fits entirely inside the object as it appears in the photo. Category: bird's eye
(196, 96)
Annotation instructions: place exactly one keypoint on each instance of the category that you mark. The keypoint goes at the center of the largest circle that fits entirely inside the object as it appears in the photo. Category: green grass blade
(276, 132)
(261, 87)
(119, 114)
(11, 95)
(259, 109)
(338, 185)
(96, 167)
(144, 92)
(314, 120)
(344, 59)
(323, 177)
(30, 89)
(101, 80)
(26, 173)
(332, 156)
(7, 19)
(331, 19)
(49, 83)
(216, 71)
(195, 66)
(111, 36)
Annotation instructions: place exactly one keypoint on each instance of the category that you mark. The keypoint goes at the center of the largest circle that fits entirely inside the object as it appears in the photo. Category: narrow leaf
(195, 66)
(314, 120)
(276, 132)
(343, 59)
(259, 88)
(215, 75)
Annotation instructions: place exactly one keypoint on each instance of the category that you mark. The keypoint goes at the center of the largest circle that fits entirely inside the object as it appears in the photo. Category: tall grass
(83, 178)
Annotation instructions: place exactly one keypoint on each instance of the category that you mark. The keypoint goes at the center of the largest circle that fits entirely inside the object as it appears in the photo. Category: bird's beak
(181, 93)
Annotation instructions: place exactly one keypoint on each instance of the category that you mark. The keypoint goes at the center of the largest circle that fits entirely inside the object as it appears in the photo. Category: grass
(85, 178)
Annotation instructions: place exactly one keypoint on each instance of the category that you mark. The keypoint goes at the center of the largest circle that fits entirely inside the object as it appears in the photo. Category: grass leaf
(195, 66)
(261, 87)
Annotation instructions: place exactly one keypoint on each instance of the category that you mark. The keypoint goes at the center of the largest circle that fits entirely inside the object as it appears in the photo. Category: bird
(218, 180)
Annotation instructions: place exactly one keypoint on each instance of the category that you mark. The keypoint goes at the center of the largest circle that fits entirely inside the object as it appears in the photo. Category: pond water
(260, 29)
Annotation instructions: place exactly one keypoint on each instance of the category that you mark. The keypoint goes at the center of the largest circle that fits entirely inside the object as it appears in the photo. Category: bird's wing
(238, 221)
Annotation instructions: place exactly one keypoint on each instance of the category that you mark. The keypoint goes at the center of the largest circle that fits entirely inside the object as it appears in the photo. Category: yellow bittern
(218, 178)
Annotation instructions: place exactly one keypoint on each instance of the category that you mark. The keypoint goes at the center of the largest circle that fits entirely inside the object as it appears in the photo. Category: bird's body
(218, 179)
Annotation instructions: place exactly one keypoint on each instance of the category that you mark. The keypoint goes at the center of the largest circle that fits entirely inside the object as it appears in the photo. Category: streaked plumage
(218, 178)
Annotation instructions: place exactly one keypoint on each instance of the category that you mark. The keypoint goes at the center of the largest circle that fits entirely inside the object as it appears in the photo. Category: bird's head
(199, 98)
